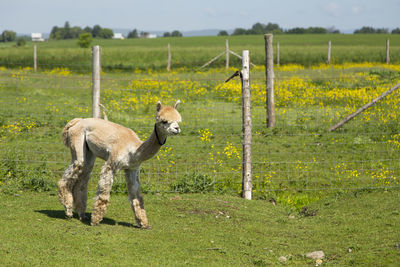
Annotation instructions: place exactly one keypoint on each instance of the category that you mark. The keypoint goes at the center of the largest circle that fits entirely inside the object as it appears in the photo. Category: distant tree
(67, 31)
(297, 30)
(176, 33)
(316, 30)
(382, 30)
(85, 39)
(88, 29)
(257, 28)
(53, 32)
(167, 34)
(75, 32)
(223, 33)
(239, 31)
(133, 34)
(8, 36)
(21, 41)
(332, 30)
(96, 30)
(396, 31)
(365, 30)
(106, 33)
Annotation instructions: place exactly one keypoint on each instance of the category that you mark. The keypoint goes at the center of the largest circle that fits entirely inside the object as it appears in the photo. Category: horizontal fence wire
(298, 154)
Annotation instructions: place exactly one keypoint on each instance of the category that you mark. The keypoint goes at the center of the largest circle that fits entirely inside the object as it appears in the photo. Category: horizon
(25, 16)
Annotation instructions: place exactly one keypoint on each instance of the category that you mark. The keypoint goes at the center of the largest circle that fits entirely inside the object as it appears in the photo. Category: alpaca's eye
(164, 122)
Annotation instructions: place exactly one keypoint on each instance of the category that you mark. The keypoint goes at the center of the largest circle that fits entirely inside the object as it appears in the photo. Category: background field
(192, 52)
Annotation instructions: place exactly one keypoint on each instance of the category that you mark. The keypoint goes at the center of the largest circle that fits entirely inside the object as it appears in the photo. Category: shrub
(21, 41)
(194, 183)
(16, 175)
(85, 39)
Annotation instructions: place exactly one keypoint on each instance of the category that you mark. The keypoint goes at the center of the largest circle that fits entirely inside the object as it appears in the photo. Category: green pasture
(192, 52)
(357, 229)
(333, 191)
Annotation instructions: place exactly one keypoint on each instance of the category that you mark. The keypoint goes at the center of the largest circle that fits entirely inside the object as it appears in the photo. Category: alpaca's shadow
(60, 214)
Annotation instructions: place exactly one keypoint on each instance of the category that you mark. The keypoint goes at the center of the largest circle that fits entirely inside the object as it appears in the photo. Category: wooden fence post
(278, 60)
(387, 52)
(247, 186)
(169, 58)
(96, 81)
(328, 61)
(227, 53)
(269, 72)
(34, 57)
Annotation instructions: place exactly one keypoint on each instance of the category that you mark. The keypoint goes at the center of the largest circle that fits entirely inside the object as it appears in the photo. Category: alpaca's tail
(66, 128)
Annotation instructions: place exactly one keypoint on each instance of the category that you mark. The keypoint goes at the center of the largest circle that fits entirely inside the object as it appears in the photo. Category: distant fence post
(34, 57)
(269, 72)
(96, 81)
(387, 52)
(169, 58)
(328, 61)
(227, 53)
(278, 60)
(247, 186)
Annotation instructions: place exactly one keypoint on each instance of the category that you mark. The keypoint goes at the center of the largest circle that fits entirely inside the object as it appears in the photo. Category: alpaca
(122, 149)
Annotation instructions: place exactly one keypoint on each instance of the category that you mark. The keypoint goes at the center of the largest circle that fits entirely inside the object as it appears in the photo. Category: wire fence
(298, 154)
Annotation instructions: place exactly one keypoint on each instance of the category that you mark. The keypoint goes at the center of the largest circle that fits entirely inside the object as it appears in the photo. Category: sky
(26, 16)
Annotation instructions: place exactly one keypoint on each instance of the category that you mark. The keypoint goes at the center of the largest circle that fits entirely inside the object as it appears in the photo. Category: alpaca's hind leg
(135, 199)
(103, 194)
(66, 184)
(72, 173)
(80, 190)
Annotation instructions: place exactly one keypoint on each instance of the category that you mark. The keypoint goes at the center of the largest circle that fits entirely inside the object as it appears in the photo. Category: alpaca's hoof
(145, 227)
(69, 214)
(94, 223)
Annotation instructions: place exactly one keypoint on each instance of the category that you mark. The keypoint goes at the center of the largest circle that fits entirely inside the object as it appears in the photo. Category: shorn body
(121, 149)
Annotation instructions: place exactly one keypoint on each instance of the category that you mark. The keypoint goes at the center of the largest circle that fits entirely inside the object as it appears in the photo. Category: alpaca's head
(168, 119)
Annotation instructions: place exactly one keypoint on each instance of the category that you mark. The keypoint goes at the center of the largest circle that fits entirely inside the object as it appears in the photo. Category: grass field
(358, 229)
(192, 52)
(335, 191)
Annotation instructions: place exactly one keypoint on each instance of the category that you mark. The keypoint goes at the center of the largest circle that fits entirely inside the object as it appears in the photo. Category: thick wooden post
(328, 61)
(169, 58)
(247, 186)
(227, 53)
(269, 72)
(387, 52)
(96, 81)
(34, 57)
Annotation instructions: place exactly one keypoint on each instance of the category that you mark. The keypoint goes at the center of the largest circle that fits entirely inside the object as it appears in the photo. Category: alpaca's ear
(159, 106)
(177, 104)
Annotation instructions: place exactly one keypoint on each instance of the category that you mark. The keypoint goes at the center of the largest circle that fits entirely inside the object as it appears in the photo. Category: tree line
(259, 28)
(68, 32)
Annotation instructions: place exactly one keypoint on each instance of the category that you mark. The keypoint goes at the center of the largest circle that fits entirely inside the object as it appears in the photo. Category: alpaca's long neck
(151, 146)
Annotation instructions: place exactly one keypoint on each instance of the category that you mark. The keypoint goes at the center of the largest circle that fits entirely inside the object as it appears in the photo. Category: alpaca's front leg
(103, 194)
(135, 199)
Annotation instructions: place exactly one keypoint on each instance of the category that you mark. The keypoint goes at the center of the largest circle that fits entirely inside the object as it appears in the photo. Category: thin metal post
(96, 81)
(328, 61)
(227, 53)
(387, 52)
(34, 57)
(278, 60)
(247, 186)
(169, 58)
(269, 72)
